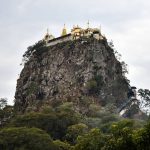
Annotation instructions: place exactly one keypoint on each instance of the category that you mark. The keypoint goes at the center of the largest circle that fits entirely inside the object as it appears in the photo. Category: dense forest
(61, 128)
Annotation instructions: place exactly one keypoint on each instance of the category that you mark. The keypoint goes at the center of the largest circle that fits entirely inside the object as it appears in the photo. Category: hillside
(81, 71)
(70, 96)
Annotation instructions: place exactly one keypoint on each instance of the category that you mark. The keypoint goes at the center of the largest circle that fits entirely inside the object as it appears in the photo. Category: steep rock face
(71, 71)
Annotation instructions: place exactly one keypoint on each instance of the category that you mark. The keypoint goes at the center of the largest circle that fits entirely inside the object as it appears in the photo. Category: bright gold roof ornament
(48, 36)
(88, 24)
(64, 31)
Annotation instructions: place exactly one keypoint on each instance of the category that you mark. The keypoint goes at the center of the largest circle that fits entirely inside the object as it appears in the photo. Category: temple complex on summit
(76, 33)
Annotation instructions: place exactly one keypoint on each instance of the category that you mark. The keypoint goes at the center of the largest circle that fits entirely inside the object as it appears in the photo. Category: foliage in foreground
(123, 135)
(62, 128)
(25, 139)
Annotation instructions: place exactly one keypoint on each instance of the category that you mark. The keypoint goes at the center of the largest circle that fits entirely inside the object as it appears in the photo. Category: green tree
(62, 145)
(145, 98)
(66, 117)
(25, 139)
(6, 114)
(121, 137)
(39, 120)
(3, 102)
(53, 122)
(74, 131)
(40, 45)
(94, 140)
(117, 127)
(141, 138)
(122, 142)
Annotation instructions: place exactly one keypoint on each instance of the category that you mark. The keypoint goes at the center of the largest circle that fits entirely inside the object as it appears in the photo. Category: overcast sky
(24, 22)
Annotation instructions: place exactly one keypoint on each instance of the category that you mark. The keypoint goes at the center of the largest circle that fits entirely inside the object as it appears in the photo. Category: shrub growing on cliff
(32, 88)
(94, 85)
(37, 48)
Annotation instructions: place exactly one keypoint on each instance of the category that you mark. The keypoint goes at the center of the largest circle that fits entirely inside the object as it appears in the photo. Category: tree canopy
(25, 139)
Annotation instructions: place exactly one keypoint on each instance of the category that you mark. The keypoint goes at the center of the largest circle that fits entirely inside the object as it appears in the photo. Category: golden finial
(88, 24)
(47, 31)
(48, 36)
(100, 28)
(64, 31)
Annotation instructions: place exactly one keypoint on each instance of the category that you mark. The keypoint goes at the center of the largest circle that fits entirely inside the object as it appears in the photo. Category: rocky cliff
(81, 71)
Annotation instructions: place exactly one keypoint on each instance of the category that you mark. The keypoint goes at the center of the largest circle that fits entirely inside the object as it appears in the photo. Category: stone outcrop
(76, 71)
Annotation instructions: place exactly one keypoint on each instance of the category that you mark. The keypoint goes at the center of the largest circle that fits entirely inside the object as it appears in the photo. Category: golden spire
(47, 31)
(100, 28)
(64, 31)
(47, 34)
(88, 24)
